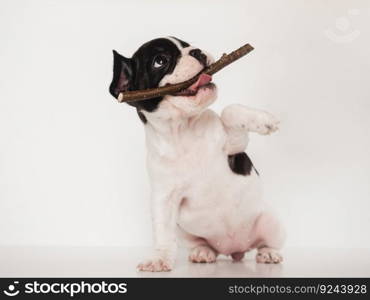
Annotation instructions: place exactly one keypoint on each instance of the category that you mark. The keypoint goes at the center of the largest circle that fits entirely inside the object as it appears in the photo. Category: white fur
(195, 195)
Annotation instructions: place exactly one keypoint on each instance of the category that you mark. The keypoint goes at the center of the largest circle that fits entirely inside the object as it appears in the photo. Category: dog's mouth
(203, 82)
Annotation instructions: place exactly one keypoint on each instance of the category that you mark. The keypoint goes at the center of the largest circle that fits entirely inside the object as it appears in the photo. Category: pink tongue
(203, 79)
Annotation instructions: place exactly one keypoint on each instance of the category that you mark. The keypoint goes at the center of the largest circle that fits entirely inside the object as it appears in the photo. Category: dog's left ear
(122, 74)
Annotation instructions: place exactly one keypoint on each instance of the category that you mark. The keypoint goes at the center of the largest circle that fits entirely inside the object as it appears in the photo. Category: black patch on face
(149, 64)
(241, 164)
(199, 55)
(182, 43)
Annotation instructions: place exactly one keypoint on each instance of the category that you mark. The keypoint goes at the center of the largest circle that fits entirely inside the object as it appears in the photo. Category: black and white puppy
(205, 188)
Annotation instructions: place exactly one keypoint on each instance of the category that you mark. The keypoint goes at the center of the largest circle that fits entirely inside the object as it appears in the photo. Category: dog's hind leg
(200, 250)
(268, 237)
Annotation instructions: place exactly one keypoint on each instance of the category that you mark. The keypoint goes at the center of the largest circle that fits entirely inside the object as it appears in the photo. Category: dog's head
(160, 62)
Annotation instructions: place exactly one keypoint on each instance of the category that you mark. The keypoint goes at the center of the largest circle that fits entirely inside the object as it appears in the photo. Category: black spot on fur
(182, 43)
(241, 164)
(142, 117)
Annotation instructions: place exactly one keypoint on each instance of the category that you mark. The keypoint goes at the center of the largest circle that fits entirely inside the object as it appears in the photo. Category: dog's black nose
(201, 57)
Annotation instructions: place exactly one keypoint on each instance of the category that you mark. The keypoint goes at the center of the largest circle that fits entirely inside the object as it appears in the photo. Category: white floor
(121, 262)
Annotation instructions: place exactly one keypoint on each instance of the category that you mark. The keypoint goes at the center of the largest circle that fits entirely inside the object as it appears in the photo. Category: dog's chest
(189, 147)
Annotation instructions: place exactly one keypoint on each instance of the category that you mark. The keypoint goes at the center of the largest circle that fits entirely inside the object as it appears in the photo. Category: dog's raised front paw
(157, 264)
(202, 254)
(268, 256)
(266, 123)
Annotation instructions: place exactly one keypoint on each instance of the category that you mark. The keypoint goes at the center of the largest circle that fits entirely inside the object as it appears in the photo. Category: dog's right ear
(122, 74)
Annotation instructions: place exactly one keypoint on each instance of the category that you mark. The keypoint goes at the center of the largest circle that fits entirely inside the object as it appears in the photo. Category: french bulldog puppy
(205, 189)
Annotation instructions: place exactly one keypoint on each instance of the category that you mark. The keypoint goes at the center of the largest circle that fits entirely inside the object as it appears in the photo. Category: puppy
(204, 187)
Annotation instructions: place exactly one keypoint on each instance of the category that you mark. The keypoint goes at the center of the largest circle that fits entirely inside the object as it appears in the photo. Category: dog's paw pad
(268, 256)
(155, 265)
(202, 254)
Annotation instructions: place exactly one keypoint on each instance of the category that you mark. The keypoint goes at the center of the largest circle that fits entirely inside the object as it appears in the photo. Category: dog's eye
(159, 61)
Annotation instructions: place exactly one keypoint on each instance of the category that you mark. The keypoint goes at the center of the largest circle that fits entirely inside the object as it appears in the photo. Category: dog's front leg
(239, 120)
(165, 205)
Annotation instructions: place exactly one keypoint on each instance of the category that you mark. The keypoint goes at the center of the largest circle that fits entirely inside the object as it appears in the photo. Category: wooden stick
(225, 60)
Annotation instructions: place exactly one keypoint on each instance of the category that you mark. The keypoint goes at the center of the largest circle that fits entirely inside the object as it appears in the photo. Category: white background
(72, 160)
